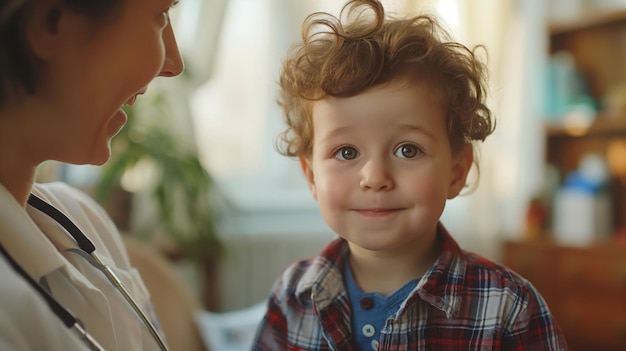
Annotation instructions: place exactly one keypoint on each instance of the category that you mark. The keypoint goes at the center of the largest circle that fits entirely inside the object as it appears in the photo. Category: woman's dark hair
(18, 64)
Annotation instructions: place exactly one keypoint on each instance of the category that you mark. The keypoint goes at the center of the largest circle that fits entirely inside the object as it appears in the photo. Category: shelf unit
(585, 286)
(597, 43)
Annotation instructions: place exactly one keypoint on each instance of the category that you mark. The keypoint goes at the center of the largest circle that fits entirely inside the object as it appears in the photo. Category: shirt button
(367, 303)
(368, 330)
(375, 345)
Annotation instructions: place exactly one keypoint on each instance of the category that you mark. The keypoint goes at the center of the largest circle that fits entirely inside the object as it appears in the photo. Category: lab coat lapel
(21, 237)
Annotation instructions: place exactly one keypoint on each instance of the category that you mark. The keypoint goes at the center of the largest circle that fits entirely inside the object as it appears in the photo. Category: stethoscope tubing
(88, 248)
(131, 301)
(66, 317)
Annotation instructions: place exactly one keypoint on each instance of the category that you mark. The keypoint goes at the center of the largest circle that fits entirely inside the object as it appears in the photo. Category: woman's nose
(375, 176)
(173, 64)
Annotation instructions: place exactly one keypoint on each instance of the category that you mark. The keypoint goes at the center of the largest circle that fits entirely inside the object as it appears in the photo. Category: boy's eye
(346, 153)
(407, 151)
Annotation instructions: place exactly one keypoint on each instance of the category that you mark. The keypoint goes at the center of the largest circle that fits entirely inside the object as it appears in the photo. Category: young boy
(382, 114)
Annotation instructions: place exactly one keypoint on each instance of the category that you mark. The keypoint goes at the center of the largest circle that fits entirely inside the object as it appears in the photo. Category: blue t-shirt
(371, 310)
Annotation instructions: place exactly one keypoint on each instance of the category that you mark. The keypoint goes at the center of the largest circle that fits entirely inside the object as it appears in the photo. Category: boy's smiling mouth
(377, 212)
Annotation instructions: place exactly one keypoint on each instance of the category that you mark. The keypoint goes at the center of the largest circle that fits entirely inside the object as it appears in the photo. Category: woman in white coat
(66, 68)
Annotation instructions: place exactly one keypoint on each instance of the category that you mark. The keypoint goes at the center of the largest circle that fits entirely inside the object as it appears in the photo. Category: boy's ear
(43, 28)
(462, 163)
(305, 164)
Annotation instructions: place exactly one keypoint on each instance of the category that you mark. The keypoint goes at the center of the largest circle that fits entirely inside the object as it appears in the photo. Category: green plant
(180, 191)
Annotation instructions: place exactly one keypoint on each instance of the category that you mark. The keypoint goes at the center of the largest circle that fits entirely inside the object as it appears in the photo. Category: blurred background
(195, 172)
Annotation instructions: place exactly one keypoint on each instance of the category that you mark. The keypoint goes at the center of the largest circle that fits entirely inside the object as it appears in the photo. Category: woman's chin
(97, 157)
(100, 160)
(101, 149)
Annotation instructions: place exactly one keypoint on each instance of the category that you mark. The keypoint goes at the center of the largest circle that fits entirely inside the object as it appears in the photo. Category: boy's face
(382, 167)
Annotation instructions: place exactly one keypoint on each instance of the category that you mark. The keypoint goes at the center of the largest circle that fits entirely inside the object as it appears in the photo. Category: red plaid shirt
(464, 302)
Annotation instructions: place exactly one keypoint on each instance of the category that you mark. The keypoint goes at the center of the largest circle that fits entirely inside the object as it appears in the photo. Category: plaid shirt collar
(441, 286)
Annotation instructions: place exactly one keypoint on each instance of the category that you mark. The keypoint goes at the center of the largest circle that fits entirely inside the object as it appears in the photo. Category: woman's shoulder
(60, 194)
(87, 214)
(77, 205)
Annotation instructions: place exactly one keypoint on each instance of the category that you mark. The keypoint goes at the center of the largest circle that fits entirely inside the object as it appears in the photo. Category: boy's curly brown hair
(343, 58)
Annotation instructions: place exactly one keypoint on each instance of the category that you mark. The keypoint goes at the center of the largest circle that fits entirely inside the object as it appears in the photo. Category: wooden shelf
(597, 43)
(603, 126)
(585, 286)
(588, 21)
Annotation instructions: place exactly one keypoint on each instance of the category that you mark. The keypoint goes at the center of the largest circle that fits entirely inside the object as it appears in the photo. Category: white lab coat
(24, 314)
(39, 245)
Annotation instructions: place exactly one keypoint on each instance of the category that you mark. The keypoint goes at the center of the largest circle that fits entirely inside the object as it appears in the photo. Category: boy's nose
(375, 176)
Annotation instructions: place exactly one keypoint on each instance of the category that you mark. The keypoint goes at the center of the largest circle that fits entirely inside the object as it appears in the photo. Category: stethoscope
(87, 251)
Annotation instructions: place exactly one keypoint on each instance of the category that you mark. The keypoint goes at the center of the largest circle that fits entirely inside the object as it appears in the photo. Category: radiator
(252, 263)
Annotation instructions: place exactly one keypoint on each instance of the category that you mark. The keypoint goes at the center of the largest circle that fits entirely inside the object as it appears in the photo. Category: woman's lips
(132, 99)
